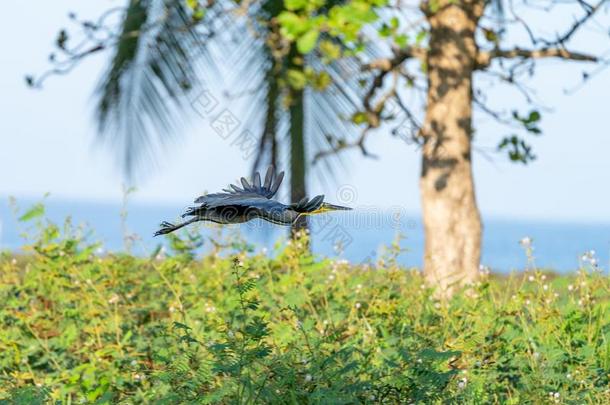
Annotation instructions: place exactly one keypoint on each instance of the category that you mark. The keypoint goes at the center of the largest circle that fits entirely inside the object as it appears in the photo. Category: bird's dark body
(237, 214)
(238, 205)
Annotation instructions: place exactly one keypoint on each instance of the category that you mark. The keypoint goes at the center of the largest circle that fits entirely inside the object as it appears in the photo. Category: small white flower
(526, 242)
(484, 270)
(358, 305)
(569, 376)
(14, 262)
(545, 287)
(133, 363)
(543, 277)
(536, 355)
(570, 287)
(308, 378)
(527, 302)
(531, 278)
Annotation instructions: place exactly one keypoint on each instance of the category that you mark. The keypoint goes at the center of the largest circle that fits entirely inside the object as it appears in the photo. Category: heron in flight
(237, 205)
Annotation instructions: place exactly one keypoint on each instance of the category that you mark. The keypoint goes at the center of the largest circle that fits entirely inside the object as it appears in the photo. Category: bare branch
(388, 64)
(341, 146)
(484, 58)
(589, 13)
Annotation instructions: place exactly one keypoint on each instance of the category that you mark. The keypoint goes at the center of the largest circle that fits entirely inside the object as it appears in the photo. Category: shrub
(237, 326)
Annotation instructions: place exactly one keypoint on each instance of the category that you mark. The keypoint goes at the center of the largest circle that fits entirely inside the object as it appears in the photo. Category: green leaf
(307, 42)
(295, 4)
(296, 79)
(401, 40)
(178, 325)
(534, 116)
(331, 50)
(34, 212)
(292, 25)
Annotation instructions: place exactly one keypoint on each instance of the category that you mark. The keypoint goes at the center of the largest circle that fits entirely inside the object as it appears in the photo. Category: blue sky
(47, 140)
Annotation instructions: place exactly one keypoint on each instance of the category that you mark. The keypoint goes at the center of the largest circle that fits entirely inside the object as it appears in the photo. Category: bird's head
(326, 207)
(316, 206)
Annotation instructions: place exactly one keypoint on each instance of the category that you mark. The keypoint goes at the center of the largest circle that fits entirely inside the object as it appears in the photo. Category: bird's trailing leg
(167, 227)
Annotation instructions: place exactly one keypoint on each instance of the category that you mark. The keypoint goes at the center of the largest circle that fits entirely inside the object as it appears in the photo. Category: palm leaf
(141, 96)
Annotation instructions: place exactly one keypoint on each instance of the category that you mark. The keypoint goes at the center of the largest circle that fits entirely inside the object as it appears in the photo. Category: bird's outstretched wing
(255, 194)
(256, 189)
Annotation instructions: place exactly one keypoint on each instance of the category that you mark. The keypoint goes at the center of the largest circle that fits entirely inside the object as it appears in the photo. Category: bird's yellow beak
(326, 207)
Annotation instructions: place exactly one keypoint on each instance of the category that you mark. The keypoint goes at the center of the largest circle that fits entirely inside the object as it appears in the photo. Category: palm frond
(142, 94)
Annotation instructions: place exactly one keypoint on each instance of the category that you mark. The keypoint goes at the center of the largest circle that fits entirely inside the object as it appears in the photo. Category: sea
(359, 236)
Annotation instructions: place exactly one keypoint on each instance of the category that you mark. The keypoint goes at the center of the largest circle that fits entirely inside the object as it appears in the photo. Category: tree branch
(484, 59)
(388, 64)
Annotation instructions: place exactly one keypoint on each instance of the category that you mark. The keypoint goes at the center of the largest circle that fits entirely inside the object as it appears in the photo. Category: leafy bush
(239, 327)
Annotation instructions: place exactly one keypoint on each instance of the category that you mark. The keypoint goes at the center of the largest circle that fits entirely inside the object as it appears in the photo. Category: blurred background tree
(162, 59)
(326, 68)
(439, 47)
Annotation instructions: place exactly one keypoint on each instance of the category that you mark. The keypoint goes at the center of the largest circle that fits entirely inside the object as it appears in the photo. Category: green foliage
(304, 21)
(517, 148)
(239, 327)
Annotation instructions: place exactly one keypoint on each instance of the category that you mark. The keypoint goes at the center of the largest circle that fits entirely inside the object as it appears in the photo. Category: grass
(239, 327)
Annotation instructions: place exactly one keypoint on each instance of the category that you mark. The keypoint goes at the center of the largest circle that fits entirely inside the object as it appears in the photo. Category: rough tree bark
(451, 218)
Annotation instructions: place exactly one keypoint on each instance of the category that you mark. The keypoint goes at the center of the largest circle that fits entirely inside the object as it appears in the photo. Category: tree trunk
(298, 187)
(451, 218)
